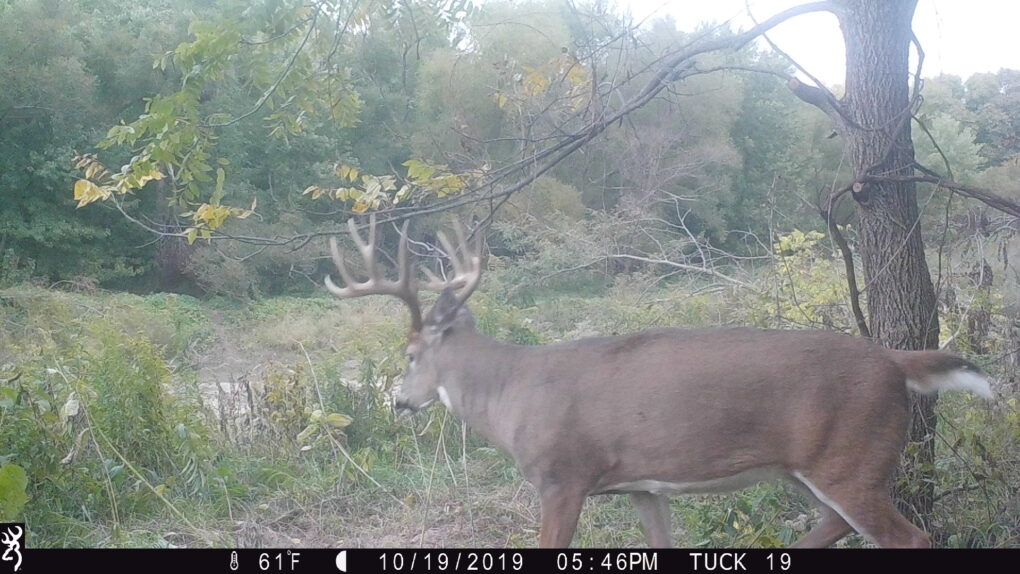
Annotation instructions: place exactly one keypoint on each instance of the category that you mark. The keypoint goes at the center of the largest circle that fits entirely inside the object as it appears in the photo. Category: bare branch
(984, 195)
(682, 266)
(816, 97)
(848, 264)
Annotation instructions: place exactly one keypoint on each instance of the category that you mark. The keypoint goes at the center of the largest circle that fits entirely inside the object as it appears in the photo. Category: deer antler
(467, 267)
(403, 288)
(467, 270)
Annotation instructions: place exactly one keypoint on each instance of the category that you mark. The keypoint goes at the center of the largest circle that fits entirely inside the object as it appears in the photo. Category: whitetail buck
(670, 411)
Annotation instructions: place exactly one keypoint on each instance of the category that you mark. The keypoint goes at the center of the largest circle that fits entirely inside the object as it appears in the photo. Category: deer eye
(410, 358)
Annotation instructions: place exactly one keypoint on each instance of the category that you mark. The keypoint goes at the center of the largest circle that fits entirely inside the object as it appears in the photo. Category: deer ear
(446, 311)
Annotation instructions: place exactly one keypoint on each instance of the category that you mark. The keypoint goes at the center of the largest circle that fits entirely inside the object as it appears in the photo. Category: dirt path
(225, 368)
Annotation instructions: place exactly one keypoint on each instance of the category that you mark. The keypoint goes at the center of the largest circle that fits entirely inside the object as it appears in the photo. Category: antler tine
(467, 267)
(472, 259)
(367, 249)
(451, 253)
(404, 275)
(338, 260)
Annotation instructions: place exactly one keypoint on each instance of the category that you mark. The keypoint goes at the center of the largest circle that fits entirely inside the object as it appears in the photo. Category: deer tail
(928, 372)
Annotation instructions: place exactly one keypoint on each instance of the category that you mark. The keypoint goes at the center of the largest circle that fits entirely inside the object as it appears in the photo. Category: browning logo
(11, 542)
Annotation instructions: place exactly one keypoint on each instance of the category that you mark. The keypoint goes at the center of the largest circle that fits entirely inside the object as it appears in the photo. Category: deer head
(424, 351)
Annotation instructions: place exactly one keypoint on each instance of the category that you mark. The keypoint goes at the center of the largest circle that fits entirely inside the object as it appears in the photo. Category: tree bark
(900, 296)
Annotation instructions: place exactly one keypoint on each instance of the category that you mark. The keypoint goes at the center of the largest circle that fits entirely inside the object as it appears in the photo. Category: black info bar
(592, 561)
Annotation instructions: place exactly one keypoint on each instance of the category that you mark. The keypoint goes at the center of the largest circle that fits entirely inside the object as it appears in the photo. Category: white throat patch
(444, 397)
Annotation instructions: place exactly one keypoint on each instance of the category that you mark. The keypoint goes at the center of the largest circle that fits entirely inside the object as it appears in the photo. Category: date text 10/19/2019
(445, 561)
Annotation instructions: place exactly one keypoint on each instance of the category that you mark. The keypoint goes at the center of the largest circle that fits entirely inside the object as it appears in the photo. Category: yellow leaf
(577, 74)
(346, 172)
(316, 191)
(360, 207)
(338, 421)
(212, 216)
(85, 192)
(418, 170)
(191, 234)
(81, 188)
(373, 187)
(149, 176)
(499, 98)
(535, 81)
(346, 193)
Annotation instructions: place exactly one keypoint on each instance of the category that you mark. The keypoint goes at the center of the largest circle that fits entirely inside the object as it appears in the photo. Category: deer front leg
(561, 508)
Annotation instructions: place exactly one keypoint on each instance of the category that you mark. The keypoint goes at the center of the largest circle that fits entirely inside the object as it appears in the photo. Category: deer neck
(476, 379)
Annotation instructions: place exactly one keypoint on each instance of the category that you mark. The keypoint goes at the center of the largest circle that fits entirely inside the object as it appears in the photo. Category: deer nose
(402, 407)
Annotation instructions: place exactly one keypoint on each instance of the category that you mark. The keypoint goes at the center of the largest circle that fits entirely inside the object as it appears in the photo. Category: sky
(959, 37)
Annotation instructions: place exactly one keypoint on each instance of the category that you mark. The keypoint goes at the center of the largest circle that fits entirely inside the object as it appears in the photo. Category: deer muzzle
(404, 407)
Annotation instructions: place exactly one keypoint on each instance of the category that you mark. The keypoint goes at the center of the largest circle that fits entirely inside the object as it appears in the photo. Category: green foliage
(994, 100)
(13, 495)
(223, 277)
(13, 271)
(805, 287)
(285, 400)
(281, 64)
(123, 383)
(57, 91)
(757, 517)
(785, 154)
(89, 418)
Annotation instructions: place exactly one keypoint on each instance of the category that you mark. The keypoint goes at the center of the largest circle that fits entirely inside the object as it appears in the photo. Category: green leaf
(218, 194)
(304, 436)
(13, 491)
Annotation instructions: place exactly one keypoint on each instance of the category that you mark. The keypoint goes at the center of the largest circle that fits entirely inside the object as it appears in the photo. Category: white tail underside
(956, 380)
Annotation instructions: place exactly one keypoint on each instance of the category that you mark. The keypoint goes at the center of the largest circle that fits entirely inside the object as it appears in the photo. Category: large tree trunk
(900, 296)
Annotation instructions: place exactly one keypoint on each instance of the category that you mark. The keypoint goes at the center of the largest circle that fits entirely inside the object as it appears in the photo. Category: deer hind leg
(869, 510)
(560, 511)
(653, 510)
(829, 529)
